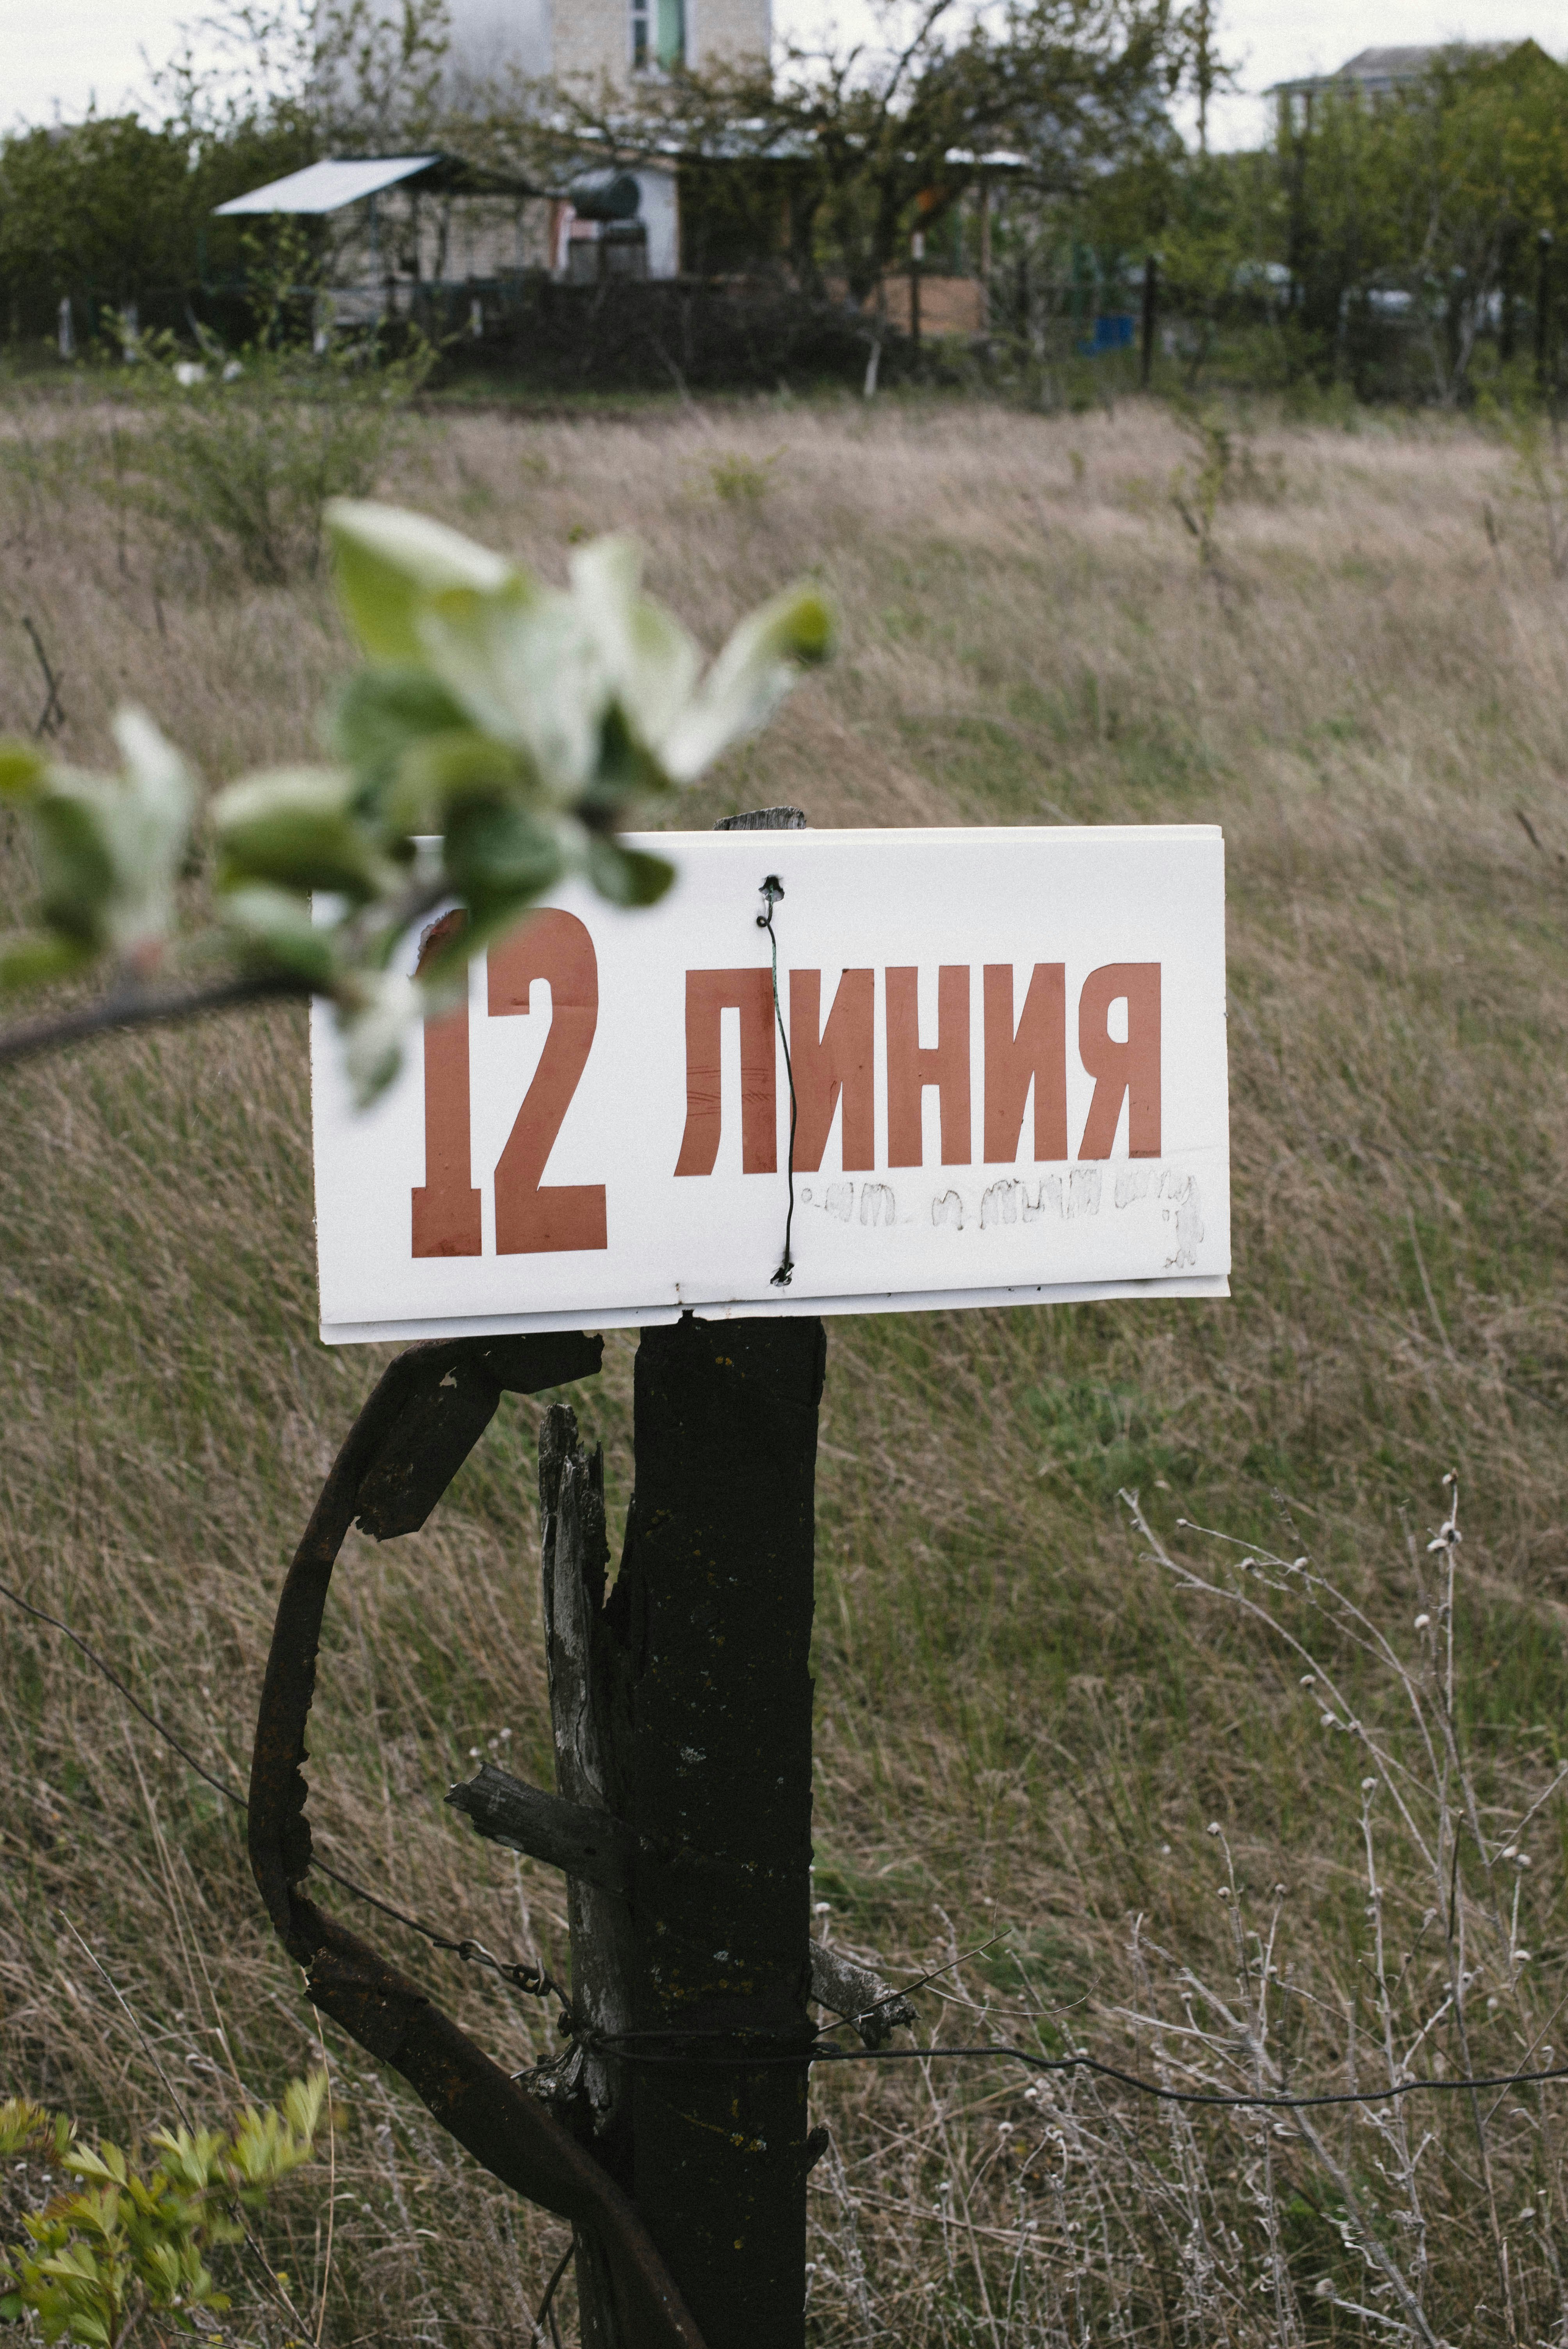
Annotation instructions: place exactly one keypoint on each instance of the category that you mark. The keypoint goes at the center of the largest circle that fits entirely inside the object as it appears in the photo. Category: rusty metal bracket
(426, 1412)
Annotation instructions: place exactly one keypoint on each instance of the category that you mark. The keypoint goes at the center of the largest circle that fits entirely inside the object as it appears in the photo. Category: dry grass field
(1030, 1727)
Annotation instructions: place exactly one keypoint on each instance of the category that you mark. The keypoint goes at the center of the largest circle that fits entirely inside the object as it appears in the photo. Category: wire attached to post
(772, 891)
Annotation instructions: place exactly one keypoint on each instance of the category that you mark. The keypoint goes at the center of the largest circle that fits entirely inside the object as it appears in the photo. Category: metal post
(916, 253)
(1151, 304)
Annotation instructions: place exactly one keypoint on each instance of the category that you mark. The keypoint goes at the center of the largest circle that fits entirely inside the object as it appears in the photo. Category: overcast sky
(59, 54)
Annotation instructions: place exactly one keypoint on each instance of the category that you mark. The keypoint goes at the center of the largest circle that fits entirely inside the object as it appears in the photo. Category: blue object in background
(1114, 330)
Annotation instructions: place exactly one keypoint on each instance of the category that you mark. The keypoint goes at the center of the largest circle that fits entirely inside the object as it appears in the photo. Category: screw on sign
(961, 1069)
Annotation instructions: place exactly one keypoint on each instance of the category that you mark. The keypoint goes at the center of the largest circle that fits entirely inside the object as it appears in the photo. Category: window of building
(658, 34)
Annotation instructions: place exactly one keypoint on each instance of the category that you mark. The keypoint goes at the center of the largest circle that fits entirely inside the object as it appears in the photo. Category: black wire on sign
(532, 1980)
(772, 890)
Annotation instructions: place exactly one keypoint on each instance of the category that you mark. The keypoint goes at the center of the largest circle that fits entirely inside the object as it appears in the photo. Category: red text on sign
(834, 1068)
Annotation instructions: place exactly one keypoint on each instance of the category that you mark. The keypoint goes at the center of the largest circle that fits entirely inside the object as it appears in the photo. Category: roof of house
(330, 186)
(1386, 69)
(1407, 64)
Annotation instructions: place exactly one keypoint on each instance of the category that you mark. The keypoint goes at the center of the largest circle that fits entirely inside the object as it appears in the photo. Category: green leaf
(272, 926)
(447, 770)
(500, 851)
(298, 829)
(375, 1023)
(627, 876)
(34, 958)
(390, 562)
(526, 671)
(304, 2101)
(75, 854)
(625, 770)
(150, 830)
(382, 713)
(22, 769)
(793, 631)
(651, 662)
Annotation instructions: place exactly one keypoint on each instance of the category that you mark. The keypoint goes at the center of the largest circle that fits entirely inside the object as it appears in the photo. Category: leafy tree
(1478, 167)
(105, 210)
(1437, 193)
(114, 210)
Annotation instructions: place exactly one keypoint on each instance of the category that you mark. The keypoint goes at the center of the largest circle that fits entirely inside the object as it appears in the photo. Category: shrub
(127, 2241)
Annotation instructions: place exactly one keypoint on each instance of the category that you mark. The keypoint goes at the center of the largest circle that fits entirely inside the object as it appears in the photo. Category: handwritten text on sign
(1008, 1066)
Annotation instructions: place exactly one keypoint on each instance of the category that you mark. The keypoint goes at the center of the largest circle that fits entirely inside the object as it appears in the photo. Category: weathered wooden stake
(684, 1707)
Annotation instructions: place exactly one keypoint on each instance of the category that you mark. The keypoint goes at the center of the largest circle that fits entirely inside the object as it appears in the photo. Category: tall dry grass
(1028, 1722)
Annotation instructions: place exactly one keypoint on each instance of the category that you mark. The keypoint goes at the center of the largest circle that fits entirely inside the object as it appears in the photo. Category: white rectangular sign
(1008, 1056)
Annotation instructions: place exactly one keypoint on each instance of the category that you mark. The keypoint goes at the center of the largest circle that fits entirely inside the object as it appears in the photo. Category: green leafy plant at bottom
(128, 2242)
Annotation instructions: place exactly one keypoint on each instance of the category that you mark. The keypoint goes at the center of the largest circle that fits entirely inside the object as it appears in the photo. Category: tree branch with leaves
(496, 741)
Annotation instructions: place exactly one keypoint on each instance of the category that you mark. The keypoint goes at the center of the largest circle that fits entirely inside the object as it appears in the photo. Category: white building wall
(495, 39)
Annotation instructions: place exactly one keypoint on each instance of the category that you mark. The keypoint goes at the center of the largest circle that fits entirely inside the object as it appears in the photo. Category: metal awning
(329, 187)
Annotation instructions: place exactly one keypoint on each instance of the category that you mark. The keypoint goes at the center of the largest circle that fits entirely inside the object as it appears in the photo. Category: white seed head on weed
(1367, 1784)
(1307, 1679)
(1212, 1829)
(1512, 1853)
(1423, 1622)
(1324, 2289)
(1329, 1722)
(1224, 1891)
(1521, 1957)
(474, 1752)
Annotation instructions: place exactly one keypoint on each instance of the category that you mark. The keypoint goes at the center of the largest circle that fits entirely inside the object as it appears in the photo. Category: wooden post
(986, 252)
(683, 1705)
(719, 1556)
(1542, 307)
(916, 254)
